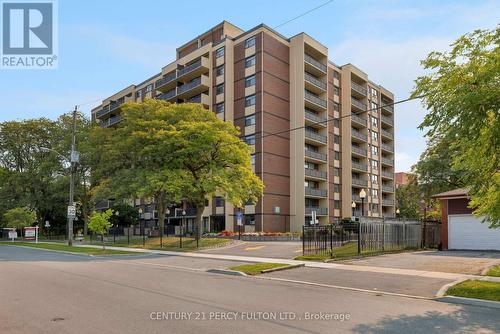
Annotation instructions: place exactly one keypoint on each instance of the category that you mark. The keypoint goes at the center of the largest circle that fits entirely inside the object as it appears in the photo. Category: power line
(303, 14)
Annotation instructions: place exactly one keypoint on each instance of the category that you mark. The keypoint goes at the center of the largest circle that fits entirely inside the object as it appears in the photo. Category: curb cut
(226, 272)
(292, 266)
(491, 266)
(469, 301)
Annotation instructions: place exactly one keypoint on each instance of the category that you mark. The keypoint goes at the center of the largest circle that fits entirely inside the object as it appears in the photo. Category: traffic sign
(71, 211)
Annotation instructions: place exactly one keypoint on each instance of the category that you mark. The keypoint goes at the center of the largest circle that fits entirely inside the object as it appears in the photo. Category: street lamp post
(142, 228)
(115, 227)
(182, 226)
(362, 195)
(353, 205)
(167, 212)
(397, 213)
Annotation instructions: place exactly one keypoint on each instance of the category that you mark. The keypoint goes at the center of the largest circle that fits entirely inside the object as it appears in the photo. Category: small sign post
(47, 226)
(71, 212)
(12, 234)
(239, 222)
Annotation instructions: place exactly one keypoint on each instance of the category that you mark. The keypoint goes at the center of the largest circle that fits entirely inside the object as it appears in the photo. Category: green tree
(99, 223)
(408, 201)
(125, 215)
(19, 218)
(462, 94)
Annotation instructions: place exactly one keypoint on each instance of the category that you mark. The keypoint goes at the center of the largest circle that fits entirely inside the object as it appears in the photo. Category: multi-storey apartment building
(320, 132)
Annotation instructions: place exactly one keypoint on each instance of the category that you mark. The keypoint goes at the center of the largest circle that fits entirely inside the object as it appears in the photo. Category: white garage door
(467, 232)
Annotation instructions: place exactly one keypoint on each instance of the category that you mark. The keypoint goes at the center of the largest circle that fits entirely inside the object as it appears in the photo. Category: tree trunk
(199, 220)
(161, 207)
(103, 244)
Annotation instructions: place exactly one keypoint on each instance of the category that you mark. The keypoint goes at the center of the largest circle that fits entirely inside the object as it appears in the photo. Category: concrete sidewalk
(309, 264)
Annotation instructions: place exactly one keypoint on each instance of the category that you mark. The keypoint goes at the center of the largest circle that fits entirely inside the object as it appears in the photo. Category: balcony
(389, 108)
(359, 182)
(356, 198)
(387, 134)
(315, 192)
(116, 104)
(314, 118)
(194, 70)
(315, 100)
(358, 135)
(166, 82)
(315, 155)
(316, 65)
(388, 175)
(387, 161)
(315, 174)
(359, 119)
(387, 148)
(357, 89)
(193, 87)
(111, 121)
(102, 112)
(359, 166)
(316, 137)
(388, 202)
(314, 84)
(387, 120)
(359, 151)
(358, 104)
(319, 211)
(388, 189)
(167, 96)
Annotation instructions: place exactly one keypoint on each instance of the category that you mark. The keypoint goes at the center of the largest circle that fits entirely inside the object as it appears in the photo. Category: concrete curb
(469, 301)
(291, 266)
(226, 272)
(485, 270)
(53, 250)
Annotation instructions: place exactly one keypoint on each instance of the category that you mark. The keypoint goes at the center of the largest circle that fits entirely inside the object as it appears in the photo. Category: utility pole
(73, 161)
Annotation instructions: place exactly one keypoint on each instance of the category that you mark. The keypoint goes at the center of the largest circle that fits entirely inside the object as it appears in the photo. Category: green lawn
(66, 248)
(495, 271)
(169, 243)
(476, 289)
(339, 253)
(255, 269)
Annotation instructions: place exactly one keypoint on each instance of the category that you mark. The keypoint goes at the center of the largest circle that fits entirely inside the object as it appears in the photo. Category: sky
(105, 46)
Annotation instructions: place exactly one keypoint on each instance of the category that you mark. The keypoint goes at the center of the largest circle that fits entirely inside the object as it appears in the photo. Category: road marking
(377, 292)
(298, 251)
(254, 248)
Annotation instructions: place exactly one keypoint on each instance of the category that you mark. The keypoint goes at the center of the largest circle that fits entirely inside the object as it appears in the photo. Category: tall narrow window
(219, 52)
(250, 120)
(250, 61)
(249, 100)
(250, 42)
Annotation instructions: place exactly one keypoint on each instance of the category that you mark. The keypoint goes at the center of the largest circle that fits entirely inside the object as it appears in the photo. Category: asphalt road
(47, 292)
(271, 249)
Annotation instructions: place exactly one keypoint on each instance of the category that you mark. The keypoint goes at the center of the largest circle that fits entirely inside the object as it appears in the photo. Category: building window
(219, 108)
(336, 188)
(336, 139)
(374, 150)
(374, 121)
(250, 140)
(374, 106)
(336, 75)
(219, 89)
(250, 120)
(374, 136)
(336, 123)
(310, 165)
(250, 101)
(336, 90)
(336, 172)
(219, 70)
(249, 219)
(207, 202)
(219, 52)
(336, 107)
(374, 178)
(374, 164)
(250, 42)
(219, 201)
(374, 193)
(336, 155)
(336, 204)
(149, 88)
(250, 61)
(374, 207)
(252, 159)
(138, 94)
(250, 81)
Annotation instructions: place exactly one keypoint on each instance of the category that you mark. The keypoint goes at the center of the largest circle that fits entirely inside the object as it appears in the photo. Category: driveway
(271, 249)
(462, 262)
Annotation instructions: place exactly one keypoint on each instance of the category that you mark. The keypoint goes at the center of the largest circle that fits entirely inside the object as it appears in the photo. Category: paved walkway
(382, 270)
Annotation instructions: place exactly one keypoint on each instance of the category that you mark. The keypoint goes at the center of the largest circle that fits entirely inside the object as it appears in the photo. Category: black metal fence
(322, 239)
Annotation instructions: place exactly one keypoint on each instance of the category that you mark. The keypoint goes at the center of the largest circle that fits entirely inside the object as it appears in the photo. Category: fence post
(331, 238)
(359, 237)
(303, 240)
(383, 235)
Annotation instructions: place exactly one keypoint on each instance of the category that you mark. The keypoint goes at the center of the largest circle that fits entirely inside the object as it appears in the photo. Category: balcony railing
(167, 96)
(387, 120)
(388, 202)
(388, 161)
(360, 182)
(309, 59)
(387, 148)
(315, 99)
(315, 81)
(387, 134)
(190, 85)
(358, 88)
(315, 155)
(356, 198)
(359, 135)
(166, 79)
(189, 68)
(116, 104)
(387, 107)
(357, 165)
(315, 173)
(358, 104)
(315, 136)
(317, 192)
(359, 150)
(359, 119)
(388, 175)
(102, 112)
(319, 211)
(388, 189)
(313, 117)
